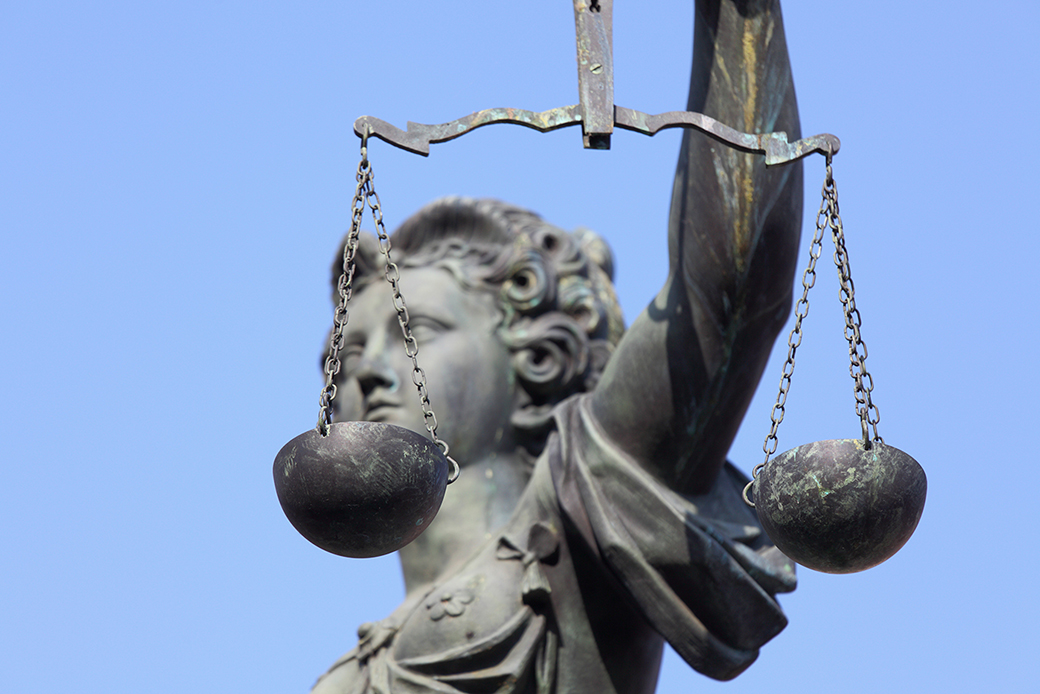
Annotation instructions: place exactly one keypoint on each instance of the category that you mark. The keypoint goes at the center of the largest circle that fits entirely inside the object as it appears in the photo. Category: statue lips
(380, 409)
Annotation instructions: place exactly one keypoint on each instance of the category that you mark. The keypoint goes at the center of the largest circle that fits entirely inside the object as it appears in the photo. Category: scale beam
(775, 146)
(596, 112)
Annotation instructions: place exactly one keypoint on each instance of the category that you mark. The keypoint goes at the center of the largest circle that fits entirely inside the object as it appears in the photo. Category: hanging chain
(865, 408)
(365, 193)
(344, 288)
(827, 217)
(411, 346)
(794, 340)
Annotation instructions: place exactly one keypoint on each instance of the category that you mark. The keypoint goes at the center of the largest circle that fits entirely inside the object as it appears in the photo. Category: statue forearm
(741, 73)
(734, 224)
(727, 207)
(733, 236)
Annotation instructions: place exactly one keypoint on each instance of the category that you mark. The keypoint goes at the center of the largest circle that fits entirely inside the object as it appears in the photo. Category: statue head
(534, 304)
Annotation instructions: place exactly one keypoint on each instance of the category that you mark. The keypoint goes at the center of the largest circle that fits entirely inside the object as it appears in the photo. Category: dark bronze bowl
(364, 490)
(838, 507)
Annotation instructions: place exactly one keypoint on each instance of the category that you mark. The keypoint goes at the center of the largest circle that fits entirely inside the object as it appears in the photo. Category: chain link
(827, 218)
(365, 194)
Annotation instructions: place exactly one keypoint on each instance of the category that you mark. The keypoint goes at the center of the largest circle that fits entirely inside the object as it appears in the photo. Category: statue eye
(426, 328)
(350, 357)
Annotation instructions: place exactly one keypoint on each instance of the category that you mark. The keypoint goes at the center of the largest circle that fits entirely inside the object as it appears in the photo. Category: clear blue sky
(174, 179)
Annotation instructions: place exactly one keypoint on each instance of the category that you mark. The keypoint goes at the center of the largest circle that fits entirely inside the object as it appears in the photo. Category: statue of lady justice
(596, 515)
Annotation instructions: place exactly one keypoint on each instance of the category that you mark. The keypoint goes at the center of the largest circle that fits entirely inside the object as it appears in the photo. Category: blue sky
(174, 180)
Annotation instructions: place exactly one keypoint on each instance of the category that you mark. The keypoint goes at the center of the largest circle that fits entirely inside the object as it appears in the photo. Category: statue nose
(375, 372)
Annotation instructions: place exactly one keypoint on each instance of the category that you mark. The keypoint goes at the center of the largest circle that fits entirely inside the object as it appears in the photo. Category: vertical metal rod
(593, 22)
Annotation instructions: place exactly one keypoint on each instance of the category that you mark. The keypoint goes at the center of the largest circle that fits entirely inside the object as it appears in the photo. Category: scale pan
(837, 507)
(365, 490)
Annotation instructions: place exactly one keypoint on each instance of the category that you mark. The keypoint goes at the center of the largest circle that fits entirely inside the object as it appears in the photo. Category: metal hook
(867, 443)
(747, 488)
(364, 133)
(454, 474)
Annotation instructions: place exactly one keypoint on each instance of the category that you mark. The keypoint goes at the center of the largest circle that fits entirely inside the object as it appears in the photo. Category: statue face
(468, 372)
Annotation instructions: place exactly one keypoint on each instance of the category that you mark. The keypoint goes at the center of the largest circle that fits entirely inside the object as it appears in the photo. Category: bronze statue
(596, 515)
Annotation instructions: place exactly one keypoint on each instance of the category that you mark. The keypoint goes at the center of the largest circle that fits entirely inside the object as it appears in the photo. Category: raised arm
(676, 390)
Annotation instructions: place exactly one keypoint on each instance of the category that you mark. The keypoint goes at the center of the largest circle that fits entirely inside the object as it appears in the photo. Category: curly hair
(560, 316)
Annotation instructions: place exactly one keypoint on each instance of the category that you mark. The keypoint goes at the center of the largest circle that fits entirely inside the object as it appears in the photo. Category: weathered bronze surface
(838, 507)
(596, 516)
(364, 490)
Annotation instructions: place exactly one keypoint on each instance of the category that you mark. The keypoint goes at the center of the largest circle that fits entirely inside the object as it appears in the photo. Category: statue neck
(479, 502)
